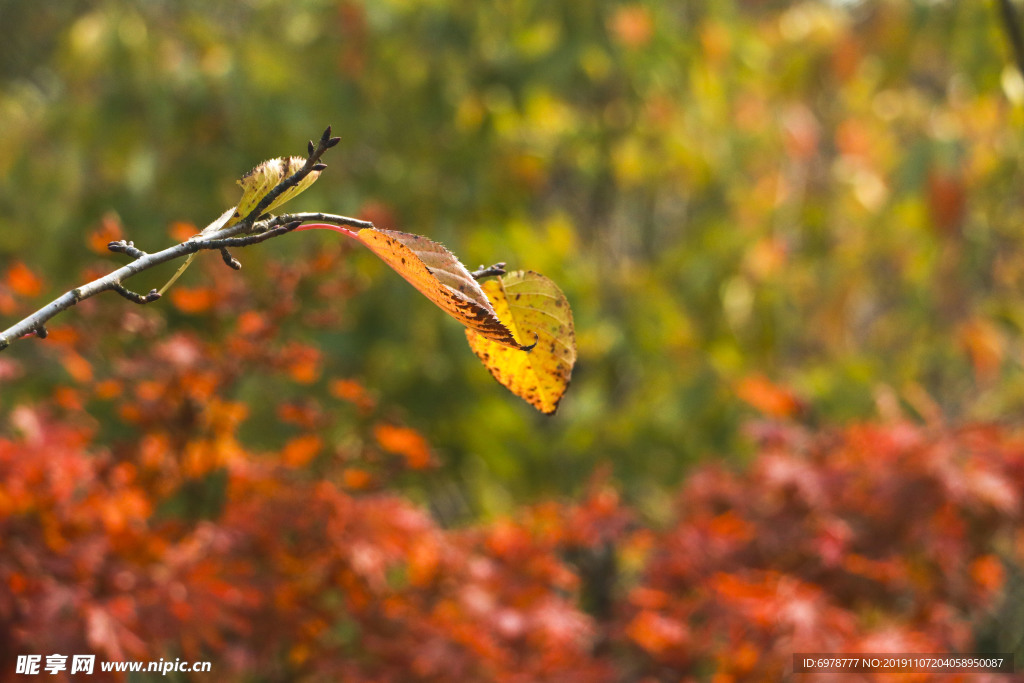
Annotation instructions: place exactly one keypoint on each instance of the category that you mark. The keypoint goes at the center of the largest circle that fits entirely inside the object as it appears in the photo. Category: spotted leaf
(538, 315)
(438, 275)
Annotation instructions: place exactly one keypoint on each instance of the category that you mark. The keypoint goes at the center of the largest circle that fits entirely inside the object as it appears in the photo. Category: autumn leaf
(439, 276)
(538, 314)
(520, 326)
(259, 181)
(255, 185)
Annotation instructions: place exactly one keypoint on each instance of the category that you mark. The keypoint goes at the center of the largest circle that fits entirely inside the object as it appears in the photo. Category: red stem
(328, 226)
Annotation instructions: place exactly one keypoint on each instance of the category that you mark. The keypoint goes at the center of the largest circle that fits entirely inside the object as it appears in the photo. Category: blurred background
(806, 212)
(820, 193)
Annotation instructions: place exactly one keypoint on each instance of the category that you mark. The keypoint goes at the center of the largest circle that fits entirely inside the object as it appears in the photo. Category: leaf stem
(327, 226)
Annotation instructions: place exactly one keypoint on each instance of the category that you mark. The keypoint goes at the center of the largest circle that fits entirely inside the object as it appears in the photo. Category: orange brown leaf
(439, 276)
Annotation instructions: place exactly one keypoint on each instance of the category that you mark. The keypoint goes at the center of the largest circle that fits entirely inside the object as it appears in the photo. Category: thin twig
(246, 240)
(229, 260)
(1011, 25)
(321, 217)
(257, 231)
(135, 297)
(489, 271)
(127, 248)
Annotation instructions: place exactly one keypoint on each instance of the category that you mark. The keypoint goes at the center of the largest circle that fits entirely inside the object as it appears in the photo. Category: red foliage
(870, 540)
(295, 578)
(136, 521)
(873, 539)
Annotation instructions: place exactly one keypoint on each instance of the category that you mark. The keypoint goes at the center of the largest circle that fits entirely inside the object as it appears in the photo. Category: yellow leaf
(536, 311)
(255, 185)
(439, 276)
(265, 177)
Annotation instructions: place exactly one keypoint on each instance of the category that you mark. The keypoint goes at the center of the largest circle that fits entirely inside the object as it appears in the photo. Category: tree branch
(250, 229)
(253, 230)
